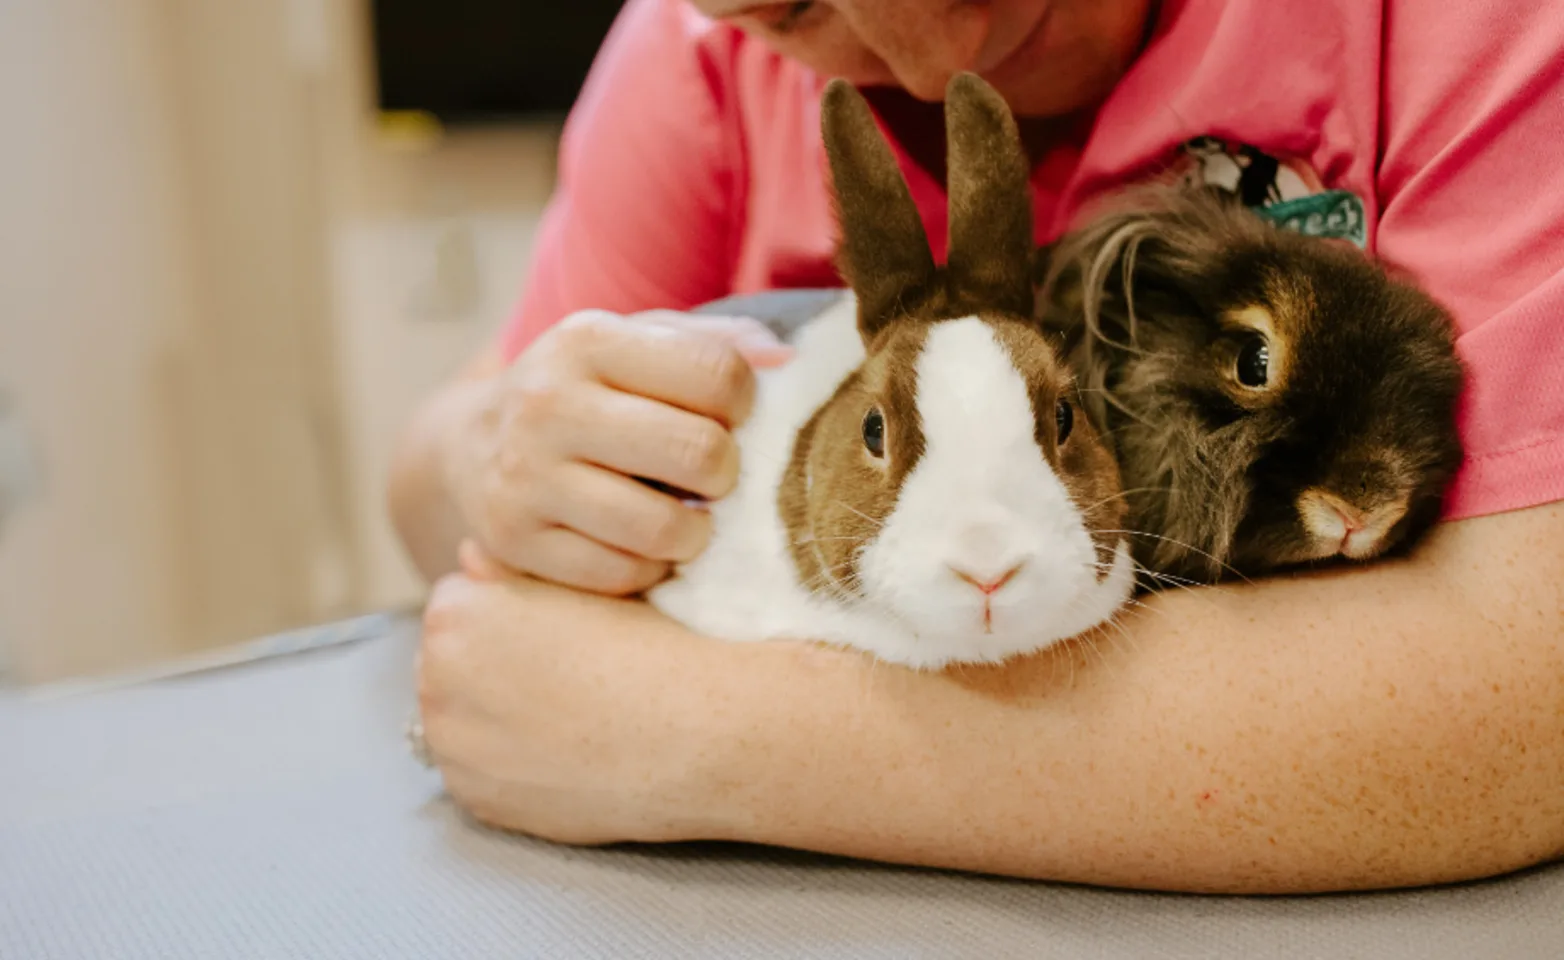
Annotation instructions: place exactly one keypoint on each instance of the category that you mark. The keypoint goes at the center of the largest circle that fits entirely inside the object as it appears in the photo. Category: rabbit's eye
(1254, 363)
(1064, 420)
(874, 432)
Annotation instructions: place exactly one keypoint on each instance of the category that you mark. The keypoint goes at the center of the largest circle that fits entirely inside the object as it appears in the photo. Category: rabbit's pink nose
(1351, 520)
(989, 585)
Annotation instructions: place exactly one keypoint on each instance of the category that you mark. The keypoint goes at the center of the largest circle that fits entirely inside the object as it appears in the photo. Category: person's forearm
(1371, 728)
(425, 518)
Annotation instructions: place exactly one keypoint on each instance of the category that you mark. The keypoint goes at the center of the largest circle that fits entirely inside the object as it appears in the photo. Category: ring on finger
(413, 731)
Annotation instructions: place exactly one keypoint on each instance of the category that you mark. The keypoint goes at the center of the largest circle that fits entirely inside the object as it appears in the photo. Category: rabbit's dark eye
(1254, 363)
(874, 432)
(1064, 420)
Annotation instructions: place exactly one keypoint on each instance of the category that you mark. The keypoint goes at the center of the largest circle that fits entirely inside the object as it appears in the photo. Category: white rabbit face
(986, 553)
(934, 497)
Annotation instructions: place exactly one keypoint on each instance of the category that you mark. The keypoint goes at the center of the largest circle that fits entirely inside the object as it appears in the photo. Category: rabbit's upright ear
(884, 251)
(990, 258)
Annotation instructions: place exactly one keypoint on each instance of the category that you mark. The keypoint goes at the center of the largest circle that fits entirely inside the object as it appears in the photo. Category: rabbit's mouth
(989, 585)
(1339, 527)
(1025, 604)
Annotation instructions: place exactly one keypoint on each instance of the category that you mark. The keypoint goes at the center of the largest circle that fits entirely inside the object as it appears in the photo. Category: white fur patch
(744, 585)
(984, 500)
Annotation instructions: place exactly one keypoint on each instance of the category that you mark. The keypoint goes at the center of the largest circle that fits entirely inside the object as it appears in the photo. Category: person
(1399, 723)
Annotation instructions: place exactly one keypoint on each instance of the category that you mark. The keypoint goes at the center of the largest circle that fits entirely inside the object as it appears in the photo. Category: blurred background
(239, 239)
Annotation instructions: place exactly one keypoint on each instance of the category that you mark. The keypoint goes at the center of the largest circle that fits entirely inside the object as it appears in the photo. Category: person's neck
(918, 127)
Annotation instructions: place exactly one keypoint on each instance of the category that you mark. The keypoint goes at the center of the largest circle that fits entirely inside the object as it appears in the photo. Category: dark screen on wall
(486, 60)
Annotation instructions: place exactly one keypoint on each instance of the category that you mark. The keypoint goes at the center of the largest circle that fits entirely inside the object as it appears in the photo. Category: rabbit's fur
(915, 482)
(1344, 451)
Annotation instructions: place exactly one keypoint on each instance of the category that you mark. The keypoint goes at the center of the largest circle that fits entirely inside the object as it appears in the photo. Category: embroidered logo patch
(1335, 214)
(1286, 192)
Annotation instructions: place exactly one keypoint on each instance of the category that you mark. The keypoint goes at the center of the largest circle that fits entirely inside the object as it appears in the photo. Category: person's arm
(650, 190)
(640, 219)
(418, 498)
(1395, 725)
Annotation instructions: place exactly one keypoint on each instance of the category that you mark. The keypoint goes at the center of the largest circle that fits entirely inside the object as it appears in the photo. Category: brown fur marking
(1083, 464)
(833, 484)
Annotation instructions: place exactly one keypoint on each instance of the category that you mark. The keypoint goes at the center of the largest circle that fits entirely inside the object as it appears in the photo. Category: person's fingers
(570, 559)
(757, 342)
(479, 564)
(701, 372)
(591, 455)
(618, 512)
(639, 437)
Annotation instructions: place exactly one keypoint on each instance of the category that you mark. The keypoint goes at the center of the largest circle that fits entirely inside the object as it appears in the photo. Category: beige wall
(428, 252)
(94, 252)
(220, 294)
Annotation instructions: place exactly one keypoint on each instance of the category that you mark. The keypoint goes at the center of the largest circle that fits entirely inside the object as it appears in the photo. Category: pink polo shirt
(691, 168)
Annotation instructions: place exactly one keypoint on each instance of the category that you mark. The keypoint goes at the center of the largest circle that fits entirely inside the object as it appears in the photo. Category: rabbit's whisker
(1194, 588)
(1123, 633)
(1089, 641)
(1187, 546)
(877, 523)
(1122, 494)
(809, 540)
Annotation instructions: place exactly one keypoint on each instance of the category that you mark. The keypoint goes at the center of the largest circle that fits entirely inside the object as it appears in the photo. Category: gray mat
(269, 810)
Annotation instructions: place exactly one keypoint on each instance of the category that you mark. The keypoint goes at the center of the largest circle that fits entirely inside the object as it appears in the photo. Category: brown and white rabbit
(914, 483)
(1272, 399)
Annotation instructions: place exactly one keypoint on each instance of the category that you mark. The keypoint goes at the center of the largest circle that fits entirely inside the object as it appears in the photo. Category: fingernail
(765, 352)
(757, 332)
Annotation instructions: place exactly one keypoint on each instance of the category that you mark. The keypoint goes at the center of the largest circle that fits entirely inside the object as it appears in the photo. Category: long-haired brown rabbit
(1272, 399)
(915, 483)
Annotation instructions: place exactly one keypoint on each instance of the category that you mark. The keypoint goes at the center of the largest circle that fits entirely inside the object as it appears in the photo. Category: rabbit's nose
(988, 582)
(1352, 521)
(1329, 516)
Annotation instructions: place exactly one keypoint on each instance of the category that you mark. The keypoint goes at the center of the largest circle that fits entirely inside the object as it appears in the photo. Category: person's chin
(1020, 72)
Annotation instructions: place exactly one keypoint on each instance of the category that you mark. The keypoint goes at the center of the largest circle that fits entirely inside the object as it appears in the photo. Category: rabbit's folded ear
(990, 258)
(884, 251)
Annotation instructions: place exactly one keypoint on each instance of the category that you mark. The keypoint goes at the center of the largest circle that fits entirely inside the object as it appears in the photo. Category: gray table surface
(269, 810)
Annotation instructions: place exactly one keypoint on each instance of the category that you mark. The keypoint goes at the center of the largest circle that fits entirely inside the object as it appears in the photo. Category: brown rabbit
(915, 482)
(1272, 399)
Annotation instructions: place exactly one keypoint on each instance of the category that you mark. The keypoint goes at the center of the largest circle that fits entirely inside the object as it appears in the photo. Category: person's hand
(572, 717)
(547, 472)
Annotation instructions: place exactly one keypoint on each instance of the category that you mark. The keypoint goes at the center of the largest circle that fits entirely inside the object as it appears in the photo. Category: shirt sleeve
(1471, 189)
(645, 205)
